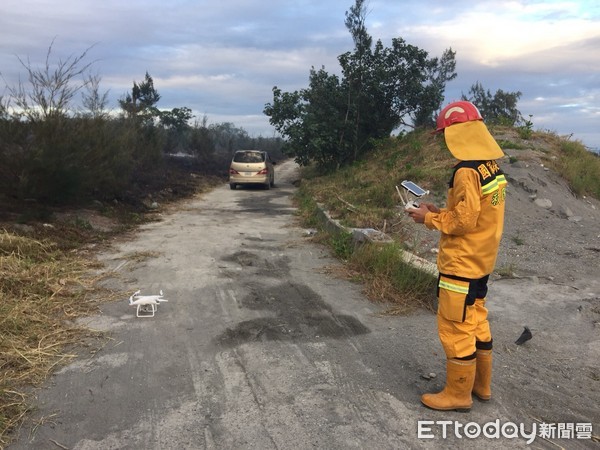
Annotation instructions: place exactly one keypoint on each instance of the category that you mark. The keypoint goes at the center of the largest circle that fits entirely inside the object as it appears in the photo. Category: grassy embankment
(363, 196)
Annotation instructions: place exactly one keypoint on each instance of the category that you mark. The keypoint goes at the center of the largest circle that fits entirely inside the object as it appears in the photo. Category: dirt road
(259, 348)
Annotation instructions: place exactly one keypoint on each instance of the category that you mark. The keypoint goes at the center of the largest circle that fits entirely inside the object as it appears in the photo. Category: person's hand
(431, 207)
(418, 214)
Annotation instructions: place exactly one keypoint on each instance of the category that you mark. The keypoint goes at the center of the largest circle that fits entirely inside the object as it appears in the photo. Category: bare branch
(52, 87)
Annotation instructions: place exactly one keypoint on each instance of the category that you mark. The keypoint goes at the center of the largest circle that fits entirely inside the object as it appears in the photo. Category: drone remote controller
(411, 189)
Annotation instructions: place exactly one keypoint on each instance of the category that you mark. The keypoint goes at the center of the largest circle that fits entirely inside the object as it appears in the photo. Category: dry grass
(388, 279)
(49, 277)
(43, 289)
(141, 256)
(385, 279)
(364, 195)
(569, 158)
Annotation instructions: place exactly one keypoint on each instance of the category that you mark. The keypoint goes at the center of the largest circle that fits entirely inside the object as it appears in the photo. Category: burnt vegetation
(60, 145)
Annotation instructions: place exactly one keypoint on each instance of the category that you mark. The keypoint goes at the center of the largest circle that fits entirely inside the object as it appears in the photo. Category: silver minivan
(251, 167)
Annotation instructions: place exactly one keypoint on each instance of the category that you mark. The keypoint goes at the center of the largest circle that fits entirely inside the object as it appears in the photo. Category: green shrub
(396, 280)
(525, 131)
(342, 244)
(308, 208)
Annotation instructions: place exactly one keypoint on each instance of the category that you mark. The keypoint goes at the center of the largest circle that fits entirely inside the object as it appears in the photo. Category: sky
(222, 59)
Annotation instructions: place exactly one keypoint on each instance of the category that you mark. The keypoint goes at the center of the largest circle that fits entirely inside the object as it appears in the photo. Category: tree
(51, 88)
(177, 119)
(335, 121)
(440, 71)
(148, 140)
(202, 146)
(314, 120)
(355, 66)
(500, 108)
(176, 128)
(142, 100)
(92, 100)
(227, 137)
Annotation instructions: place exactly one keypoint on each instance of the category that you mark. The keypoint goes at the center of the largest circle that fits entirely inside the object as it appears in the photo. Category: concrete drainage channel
(361, 235)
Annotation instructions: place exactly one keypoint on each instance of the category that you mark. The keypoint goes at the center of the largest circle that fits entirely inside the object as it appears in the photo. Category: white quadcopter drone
(411, 189)
(147, 305)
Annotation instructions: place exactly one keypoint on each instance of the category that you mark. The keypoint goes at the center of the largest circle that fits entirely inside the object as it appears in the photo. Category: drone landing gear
(146, 310)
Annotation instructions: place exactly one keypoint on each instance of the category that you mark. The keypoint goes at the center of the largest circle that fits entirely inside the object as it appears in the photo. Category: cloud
(223, 58)
(542, 49)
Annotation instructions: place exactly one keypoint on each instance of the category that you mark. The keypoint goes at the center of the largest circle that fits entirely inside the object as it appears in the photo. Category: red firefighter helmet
(457, 112)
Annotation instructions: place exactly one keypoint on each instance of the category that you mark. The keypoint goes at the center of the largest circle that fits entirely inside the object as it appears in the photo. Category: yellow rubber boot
(456, 395)
(482, 388)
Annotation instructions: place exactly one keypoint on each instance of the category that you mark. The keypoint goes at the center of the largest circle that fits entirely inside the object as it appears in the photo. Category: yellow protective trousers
(462, 316)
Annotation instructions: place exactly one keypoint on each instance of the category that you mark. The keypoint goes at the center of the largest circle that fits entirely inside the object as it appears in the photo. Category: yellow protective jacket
(472, 223)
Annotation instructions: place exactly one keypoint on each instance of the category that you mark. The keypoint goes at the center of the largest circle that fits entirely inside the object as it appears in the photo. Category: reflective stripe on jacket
(472, 223)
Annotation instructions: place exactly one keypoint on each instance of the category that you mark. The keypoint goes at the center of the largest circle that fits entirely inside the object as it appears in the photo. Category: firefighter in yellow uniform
(471, 227)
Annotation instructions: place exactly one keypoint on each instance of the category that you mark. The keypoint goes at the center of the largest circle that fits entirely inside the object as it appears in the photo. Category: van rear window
(249, 157)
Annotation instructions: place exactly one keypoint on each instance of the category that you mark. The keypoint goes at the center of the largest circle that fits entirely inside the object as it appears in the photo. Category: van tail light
(265, 171)
(233, 171)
